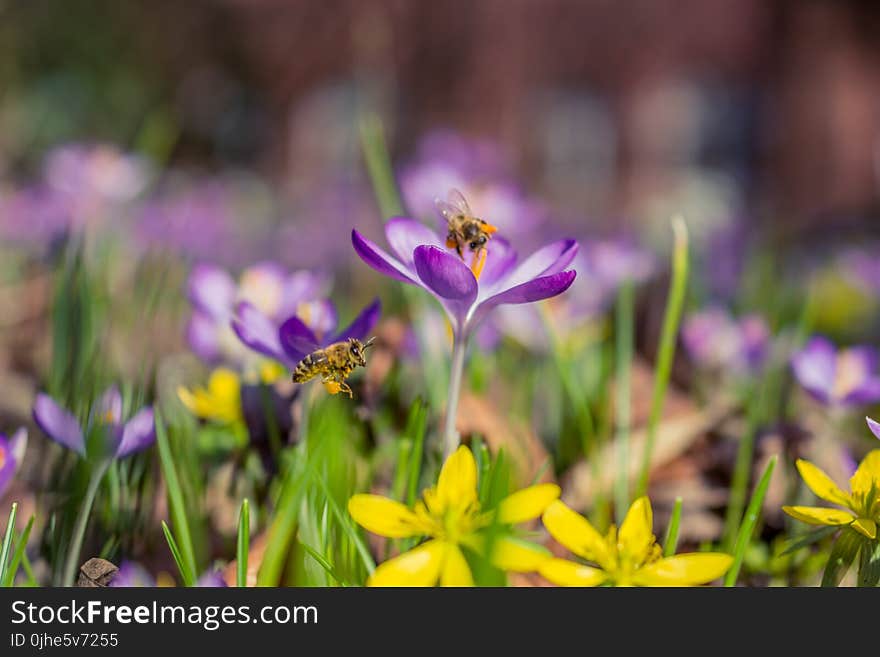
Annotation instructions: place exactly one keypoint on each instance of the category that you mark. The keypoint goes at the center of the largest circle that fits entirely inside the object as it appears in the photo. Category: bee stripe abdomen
(305, 369)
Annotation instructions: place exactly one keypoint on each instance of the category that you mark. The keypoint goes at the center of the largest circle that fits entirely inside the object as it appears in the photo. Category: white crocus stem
(451, 437)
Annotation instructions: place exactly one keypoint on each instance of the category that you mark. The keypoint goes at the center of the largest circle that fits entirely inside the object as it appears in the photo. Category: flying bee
(333, 364)
(465, 231)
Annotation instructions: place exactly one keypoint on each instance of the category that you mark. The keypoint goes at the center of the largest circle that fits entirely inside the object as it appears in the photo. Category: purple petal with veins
(58, 424)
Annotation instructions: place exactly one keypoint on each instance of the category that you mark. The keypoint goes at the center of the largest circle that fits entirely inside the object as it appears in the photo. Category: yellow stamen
(2, 457)
(489, 229)
(332, 387)
(478, 263)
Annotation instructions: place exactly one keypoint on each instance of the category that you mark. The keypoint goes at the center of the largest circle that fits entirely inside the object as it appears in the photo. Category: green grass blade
(417, 435)
(753, 512)
(666, 348)
(624, 328)
(326, 565)
(379, 167)
(176, 502)
(808, 539)
(670, 543)
(281, 529)
(185, 574)
(7, 541)
(741, 473)
(843, 553)
(20, 546)
(244, 539)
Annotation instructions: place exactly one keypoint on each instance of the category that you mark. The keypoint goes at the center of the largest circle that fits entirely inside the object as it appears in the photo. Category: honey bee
(333, 364)
(465, 231)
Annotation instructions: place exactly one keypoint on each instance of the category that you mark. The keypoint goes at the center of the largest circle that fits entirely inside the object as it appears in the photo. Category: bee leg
(479, 262)
(346, 389)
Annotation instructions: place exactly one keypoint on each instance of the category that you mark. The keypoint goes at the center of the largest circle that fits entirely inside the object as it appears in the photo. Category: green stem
(666, 349)
(450, 435)
(741, 475)
(82, 519)
(623, 395)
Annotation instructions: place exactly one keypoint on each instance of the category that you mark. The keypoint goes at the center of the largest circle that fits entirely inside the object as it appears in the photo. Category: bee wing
(446, 210)
(457, 200)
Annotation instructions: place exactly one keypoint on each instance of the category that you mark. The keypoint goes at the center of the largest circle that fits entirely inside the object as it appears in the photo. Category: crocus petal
(821, 484)
(636, 531)
(874, 426)
(457, 483)
(551, 259)
(575, 532)
(527, 503)
(213, 579)
(137, 434)
(131, 574)
(866, 527)
(257, 331)
(60, 425)
(296, 339)
(300, 287)
(684, 570)
(212, 290)
(535, 290)
(8, 465)
(203, 336)
(568, 573)
(868, 392)
(109, 406)
(380, 260)
(18, 445)
(815, 515)
(517, 556)
(447, 277)
(867, 475)
(404, 235)
(814, 367)
(361, 325)
(384, 516)
(456, 571)
(499, 262)
(418, 567)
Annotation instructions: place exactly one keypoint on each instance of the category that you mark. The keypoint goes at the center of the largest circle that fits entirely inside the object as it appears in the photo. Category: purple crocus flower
(290, 341)
(11, 455)
(270, 289)
(845, 377)
(716, 340)
(133, 575)
(874, 426)
(423, 260)
(123, 438)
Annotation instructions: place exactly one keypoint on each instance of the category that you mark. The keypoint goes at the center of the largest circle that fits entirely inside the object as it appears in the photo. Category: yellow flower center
(622, 563)
(2, 457)
(261, 289)
(447, 521)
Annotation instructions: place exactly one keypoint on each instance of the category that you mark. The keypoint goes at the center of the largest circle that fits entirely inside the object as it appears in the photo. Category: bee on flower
(450, 516)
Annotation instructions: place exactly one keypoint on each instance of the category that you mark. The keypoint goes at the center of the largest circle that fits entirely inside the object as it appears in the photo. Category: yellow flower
(629, 557)
(219, 402)
(450, 514)
(862, 504)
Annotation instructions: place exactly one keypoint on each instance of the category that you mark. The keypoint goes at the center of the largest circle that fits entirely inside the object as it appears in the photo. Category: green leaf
(624, 326)
(807, 539)
(244, 536)
(869, 563)
(753, 512)
(321, 561)
(666, 348)
(185, 574)
(416, 426)
(176, 502)
(20, 546)
(7, 541)
(843, 553)
(670, 543)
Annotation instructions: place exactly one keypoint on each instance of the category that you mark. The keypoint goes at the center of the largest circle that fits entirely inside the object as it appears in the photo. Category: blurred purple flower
(131, 574)
(423, 260)
(88, 175)
(714, 339)
(11, 455)
(211, 579)
(33, 216)
(290, 341)
(846, 377)
(122, 438)
(874, 426)
(270, 289)
(863, 264)
(478, 169)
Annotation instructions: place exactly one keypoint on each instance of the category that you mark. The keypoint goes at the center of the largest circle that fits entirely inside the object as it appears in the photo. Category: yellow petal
(384, 516)
(527, 503)
(684, 570)
(568, 573)
(224, 384)
(418, 567)
(457, 484)
(867, 475)
(575, 532)
(518, 556)
(456, 571)
(636, 531)
(821, 484)
(819, 516)
(865, 526)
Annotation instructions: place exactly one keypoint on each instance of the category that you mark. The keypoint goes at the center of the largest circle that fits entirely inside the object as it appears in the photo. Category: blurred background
(615, 112)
